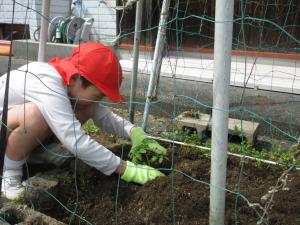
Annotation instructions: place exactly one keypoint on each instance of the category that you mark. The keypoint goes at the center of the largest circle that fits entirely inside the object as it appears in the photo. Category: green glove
(140, 174)
(144, 148)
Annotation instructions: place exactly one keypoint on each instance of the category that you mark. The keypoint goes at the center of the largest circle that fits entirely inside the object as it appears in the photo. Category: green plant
(237, 131)
(145, 150)
(91, 128)
(183, 136)
(282, 155)
(143, 155)
(246, 148)
(235, 148)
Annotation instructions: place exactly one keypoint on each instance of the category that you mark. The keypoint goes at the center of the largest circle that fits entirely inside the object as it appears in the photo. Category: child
(55, 99)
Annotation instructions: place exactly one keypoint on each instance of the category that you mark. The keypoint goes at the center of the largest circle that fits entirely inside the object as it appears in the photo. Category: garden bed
(181, 197)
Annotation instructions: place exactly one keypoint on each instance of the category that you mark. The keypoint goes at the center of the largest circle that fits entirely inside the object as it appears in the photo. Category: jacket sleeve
(110, 122)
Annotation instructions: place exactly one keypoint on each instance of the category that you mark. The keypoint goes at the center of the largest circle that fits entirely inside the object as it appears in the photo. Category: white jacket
(41, 84)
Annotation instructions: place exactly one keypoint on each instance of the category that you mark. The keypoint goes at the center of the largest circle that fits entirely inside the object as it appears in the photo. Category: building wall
(103, 12)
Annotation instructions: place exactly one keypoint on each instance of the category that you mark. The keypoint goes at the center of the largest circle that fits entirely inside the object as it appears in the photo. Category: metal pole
(222, 63)
(44, 30)
(148, 19)
(3, 131)
(159, 46)
(136, 51)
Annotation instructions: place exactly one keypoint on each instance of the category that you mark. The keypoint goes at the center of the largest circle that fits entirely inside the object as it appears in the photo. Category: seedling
(143, 155)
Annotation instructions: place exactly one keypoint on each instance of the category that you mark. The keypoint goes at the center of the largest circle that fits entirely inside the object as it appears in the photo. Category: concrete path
(275, 75)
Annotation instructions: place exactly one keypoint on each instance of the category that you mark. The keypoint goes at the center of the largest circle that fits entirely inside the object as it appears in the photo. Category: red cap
(95, 62)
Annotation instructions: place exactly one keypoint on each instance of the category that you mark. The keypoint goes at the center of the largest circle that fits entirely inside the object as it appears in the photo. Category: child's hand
(139, 174)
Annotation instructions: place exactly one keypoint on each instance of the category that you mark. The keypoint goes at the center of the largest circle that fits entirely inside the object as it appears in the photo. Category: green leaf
(160, 160)
(153, 159)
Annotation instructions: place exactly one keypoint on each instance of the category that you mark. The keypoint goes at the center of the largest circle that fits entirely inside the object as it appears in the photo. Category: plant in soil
(142, 154)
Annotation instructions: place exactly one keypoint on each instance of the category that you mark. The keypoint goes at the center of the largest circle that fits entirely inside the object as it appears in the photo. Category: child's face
(84, 95)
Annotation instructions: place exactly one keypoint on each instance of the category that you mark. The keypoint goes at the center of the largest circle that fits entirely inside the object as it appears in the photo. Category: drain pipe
(157, 59)
(44, 30)
(136, 51)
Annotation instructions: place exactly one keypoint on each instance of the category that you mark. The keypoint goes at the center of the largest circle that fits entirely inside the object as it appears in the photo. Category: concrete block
(195, 120)
(202, 122)
(247, 129)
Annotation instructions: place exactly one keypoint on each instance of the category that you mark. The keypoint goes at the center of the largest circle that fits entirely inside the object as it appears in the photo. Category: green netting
(267, 91)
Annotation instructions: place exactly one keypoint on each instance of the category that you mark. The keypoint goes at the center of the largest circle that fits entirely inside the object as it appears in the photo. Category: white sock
(12, 164)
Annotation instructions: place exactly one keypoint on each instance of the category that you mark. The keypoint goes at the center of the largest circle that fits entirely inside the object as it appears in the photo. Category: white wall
(103, 12)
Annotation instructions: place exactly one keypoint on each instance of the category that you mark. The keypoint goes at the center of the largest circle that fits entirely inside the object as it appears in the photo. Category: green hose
(63, 30)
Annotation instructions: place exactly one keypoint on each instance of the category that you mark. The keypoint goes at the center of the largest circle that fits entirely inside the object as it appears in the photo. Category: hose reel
(70, 30)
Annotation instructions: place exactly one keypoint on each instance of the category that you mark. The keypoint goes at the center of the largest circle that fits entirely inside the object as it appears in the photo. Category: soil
(181, 197)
